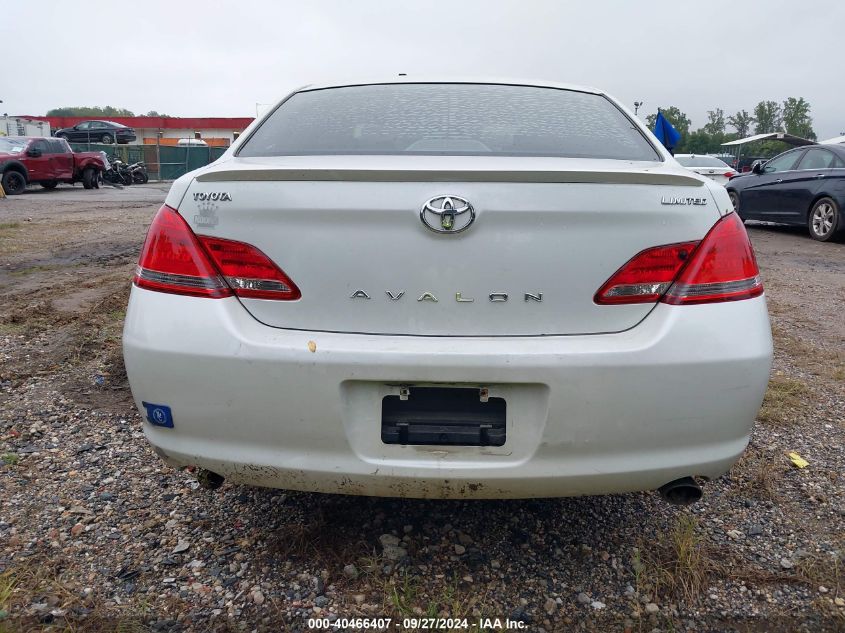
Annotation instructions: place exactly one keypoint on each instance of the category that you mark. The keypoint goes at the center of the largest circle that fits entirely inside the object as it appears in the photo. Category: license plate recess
(443, 416)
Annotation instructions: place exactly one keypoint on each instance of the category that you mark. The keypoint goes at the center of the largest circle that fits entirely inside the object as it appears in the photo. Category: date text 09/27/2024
(417, 624)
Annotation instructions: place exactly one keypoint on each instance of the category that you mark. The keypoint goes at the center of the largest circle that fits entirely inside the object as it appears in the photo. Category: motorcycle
(121, 169)
(110, 175)
(139, 172)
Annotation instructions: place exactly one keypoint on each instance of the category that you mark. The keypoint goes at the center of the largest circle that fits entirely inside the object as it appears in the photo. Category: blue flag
(665, 132)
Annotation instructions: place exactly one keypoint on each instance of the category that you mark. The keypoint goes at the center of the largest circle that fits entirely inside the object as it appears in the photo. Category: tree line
(791, 116)
(99, 112)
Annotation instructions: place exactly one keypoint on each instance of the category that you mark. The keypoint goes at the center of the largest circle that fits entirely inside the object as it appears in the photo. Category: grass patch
(827, 363)
(51, 582)
(7, 587)
(823, 569)
(409, 595)
(784, 397)
(760, 475)
(766, 477)
(328, 538)
(680, 564)
(22, 272)
(10, 459)
(12, 329)
(116, 316)
(677, 565)
(407, 592)
(6, 226)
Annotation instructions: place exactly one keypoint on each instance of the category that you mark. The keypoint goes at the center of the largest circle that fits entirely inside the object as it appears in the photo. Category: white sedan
(449, 290)
(710, 166)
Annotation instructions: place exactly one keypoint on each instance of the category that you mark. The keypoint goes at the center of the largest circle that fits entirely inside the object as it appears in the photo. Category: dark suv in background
(97, 132)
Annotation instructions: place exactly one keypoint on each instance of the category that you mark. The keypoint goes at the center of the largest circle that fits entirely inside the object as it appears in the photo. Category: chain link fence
(164, 162)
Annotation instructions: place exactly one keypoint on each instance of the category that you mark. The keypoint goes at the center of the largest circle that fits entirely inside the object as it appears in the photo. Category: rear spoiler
(432, 175)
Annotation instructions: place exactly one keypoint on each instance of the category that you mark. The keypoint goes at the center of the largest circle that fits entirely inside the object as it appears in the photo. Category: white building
(23, 126)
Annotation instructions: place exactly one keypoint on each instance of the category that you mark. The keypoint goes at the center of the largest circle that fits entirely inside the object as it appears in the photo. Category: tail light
(175, 260)
(646, 276)
(249, 272)
(721, 267)
(729, 174)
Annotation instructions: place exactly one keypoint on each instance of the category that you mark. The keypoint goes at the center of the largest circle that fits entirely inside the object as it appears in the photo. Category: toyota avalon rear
(474, 290)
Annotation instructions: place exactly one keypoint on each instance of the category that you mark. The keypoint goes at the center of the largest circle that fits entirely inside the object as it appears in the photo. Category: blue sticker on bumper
(159, 414)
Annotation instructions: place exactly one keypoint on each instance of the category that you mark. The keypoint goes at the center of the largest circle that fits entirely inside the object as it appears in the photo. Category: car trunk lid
(547, 233)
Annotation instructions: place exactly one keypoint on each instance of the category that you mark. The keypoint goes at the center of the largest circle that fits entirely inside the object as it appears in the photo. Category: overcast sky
(220, 58)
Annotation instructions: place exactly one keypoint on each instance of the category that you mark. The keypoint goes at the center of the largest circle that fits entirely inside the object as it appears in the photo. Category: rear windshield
(700, 161)
(449, 120)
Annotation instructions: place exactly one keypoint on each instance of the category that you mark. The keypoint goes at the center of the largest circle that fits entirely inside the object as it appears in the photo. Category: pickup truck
(27, 160)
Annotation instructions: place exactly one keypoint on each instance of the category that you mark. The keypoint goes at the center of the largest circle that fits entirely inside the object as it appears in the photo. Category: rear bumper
(675, 396)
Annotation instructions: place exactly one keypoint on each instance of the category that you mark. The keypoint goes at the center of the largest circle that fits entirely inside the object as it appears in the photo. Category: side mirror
(33, 152)
(757, 167)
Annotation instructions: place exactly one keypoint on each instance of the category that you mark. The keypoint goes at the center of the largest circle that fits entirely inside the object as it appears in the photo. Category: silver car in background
(449, 290)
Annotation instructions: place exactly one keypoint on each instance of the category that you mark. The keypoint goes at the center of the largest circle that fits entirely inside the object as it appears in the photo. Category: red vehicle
(26, 160)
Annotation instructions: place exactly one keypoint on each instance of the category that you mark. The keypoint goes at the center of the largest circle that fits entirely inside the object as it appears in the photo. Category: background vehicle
(833, 141)
(466, 290)
(745, 163)
(709, 166)
(97, 132)
(139, 172)
(111, 175)
(122, 171)
(46, 161)
(191, 142)
(804, 186)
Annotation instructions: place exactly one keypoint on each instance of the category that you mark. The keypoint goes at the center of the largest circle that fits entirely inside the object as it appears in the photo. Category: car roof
(101, 121)
(393, 79)
(836, 149)
(700, 156)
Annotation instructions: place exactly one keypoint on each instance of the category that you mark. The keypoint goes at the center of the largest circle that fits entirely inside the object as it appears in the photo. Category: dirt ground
(92, 524)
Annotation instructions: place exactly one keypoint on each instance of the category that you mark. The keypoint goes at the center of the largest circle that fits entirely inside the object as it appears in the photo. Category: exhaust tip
(209, 480)
(681, 492)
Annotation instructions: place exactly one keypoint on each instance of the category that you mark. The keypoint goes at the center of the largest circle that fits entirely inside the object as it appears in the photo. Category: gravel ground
(96, 534)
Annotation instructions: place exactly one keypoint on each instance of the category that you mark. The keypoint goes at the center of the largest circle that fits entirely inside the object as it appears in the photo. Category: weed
(403, 595)
(8, 581)
(783, 399)
(407, 597)
(678, 564)
(823, 569)
(820, 361)
(758, 474)
(10, 459)
(34, 580)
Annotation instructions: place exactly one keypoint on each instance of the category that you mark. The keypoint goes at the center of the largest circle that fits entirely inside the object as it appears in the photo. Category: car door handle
(778, 180)
(819, 175)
